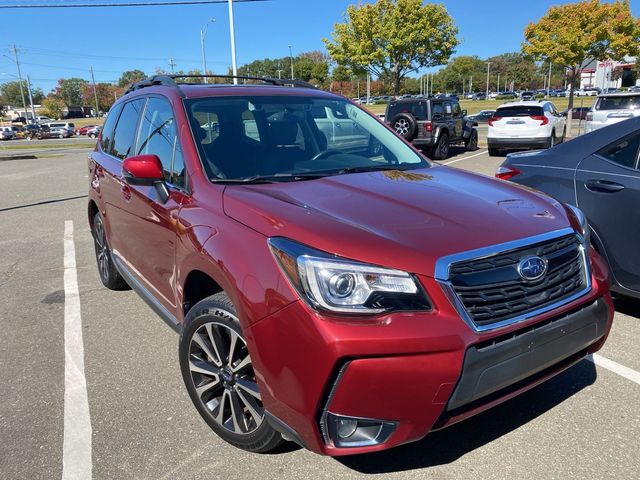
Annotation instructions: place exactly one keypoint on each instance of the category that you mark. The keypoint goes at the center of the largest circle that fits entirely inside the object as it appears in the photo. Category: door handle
(126, 192)
(603, 186)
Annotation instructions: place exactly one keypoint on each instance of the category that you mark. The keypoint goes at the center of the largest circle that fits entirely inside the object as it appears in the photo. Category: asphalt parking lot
(584, 423)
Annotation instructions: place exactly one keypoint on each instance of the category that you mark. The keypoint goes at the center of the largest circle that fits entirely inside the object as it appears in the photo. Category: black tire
(405, 125)
(441, 150)
(471, 143)
(552, 140)
(564, 135)
(207, 360)
(494, 152)
(92, 135)
(109, 274)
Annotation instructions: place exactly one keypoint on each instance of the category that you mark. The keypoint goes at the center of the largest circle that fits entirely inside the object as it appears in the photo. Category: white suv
(612, 108)
(524, 126)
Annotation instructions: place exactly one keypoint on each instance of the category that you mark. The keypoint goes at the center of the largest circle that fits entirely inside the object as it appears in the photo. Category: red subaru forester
(330, 285)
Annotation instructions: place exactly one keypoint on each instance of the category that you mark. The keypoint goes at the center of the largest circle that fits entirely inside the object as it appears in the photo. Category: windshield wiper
(376, 168)
(293, 177)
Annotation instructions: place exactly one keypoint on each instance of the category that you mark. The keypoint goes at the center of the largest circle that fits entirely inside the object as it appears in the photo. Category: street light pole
(291, 57)
(33, 110)
(232, 35)
(488, 70)
(203, 33)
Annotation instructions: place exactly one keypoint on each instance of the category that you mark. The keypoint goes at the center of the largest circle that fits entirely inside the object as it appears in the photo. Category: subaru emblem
(532, 268)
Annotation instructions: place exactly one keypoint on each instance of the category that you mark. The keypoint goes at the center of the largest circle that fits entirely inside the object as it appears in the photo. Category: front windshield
(246, 138)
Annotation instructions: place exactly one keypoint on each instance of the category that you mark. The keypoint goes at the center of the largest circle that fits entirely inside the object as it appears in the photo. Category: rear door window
(125, 131)
(624, 152)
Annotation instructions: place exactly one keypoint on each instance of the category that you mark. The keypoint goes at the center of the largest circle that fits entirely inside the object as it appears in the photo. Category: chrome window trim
(444, 263)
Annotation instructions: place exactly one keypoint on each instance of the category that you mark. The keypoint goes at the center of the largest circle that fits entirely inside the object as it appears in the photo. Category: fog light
(346, 427)
(357, 432)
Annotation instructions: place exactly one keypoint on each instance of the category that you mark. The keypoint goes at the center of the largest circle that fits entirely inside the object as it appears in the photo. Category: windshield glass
(241, 138)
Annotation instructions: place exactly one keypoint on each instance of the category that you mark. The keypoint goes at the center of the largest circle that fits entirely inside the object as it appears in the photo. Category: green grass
(44, 146)
(475, 106)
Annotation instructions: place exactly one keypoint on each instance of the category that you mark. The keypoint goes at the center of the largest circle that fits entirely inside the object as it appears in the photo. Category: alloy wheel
(402, 127)
(102, 250)
(223, 377)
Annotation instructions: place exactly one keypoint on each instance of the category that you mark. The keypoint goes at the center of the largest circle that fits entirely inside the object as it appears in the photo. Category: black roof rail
(170, 81)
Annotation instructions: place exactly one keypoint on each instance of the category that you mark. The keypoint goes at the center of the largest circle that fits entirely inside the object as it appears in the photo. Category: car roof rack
(170, 81)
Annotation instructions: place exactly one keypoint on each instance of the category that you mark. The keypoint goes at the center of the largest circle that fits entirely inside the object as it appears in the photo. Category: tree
(457, 75)
(53, 107)
(10, 91)
(131, 76)
(571, 35)
(105, 92)
(69, 90)
(393, 38)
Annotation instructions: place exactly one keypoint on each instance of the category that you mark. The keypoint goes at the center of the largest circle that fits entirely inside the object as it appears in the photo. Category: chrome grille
(492, 291)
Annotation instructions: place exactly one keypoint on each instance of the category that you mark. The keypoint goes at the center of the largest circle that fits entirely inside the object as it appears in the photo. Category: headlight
(332, 283)
(582, 224)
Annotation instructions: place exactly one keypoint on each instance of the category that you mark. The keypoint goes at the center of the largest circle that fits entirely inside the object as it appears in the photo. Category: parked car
(36, 131)
(635, 88)
(483, 116)
(60, 132)
(83, 130)
(432, 124)
(94, 132)
(600, 174)
(68, 127)
(612, 108)
(7, 133)
(579, 113)
(525, 125)
(43, 119)
(349, 300)
(18, 131)
(527, 96)
(479, 96)
(587, 92)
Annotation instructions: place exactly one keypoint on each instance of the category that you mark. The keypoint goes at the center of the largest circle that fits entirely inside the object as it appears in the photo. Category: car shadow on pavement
(628, 306)
(446, 446)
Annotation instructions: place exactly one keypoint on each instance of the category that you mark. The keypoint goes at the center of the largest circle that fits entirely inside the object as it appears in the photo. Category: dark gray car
(600, 173)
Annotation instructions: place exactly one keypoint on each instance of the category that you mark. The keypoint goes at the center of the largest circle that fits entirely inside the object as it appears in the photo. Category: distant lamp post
(203, 33)
(488, 71)
(291, 57)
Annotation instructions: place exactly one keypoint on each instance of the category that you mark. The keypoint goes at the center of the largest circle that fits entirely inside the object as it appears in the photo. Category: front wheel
(218, 373)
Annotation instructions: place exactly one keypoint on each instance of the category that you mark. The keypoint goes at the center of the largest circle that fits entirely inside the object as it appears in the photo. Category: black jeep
(432, 124)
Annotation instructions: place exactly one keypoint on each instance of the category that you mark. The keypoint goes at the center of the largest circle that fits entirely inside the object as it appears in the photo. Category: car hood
(400, 219)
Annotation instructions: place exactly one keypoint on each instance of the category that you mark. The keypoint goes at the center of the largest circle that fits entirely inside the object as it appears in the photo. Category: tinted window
(624, 152)
(417, 109)
(125, 131)
(519, 111)
(457, 112)
(158, 134)
(107, 131)
(631, 102)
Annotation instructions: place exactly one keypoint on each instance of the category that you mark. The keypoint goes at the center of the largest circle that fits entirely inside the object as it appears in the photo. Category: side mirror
(147, 171)
(464, 113)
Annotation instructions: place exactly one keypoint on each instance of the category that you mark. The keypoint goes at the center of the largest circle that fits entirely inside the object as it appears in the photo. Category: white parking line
(76, 450)
(615, 367)
(464, 158)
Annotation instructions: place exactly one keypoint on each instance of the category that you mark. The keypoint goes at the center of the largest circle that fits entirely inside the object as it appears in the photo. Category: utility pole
(232, 35)
(24, 103)
(33, 110)
(279, 73)
(95, 92)
(471, 84)
(291, 57)
(172, 63)
(488, 70)
(368, 85)
(203, 33)
(498, 87)
(549, 82)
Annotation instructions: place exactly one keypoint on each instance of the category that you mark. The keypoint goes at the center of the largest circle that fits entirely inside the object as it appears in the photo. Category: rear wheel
(219, 376)
(552, 140)
(441, 150)
(471, 143)
(405, 125)
(109, 274)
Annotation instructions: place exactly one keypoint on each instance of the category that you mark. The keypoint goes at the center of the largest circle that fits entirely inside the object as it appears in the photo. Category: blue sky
(57, 43)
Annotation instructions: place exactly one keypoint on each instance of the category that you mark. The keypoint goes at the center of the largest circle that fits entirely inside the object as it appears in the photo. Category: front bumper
(518, 143)
(419, 371)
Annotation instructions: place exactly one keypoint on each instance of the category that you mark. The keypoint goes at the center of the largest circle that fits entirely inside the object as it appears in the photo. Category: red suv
(330, 285)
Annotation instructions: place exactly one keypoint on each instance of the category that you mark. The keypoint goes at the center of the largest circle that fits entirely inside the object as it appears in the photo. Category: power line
(120, 4)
